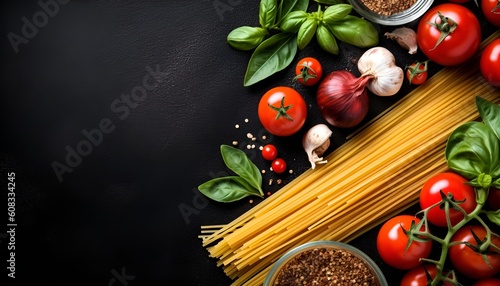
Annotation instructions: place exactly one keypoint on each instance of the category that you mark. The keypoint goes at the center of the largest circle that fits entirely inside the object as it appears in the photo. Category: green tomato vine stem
(446, 241)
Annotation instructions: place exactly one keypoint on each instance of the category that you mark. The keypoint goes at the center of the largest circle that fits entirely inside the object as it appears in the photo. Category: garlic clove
(405, 37)
(315, 142)
(380, 63)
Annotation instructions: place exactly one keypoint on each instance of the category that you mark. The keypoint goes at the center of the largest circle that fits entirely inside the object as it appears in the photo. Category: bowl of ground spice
(391, 12)
(325, 263)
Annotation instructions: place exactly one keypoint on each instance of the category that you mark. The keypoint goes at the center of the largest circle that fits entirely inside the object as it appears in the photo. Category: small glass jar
(328, 245)
(401, 18)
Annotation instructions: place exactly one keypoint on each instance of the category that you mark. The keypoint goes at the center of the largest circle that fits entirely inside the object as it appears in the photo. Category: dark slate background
(114, 216)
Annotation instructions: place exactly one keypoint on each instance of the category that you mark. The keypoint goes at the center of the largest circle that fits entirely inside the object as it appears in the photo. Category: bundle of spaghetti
(374, 175)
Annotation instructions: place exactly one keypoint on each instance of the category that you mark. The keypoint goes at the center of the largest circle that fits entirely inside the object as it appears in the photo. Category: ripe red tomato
(459, 45)
(416, 73)
(418, 276)
(269, 152)
(447, 182)
(392, 242)
(491, 10)
(494, 199)
(487, 282)
(282, 111)
(278, 165)
(469, 262)
(490, 62)
(308, 71)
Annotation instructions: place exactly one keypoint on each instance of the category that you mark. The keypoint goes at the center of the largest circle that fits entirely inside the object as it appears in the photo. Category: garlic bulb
(405, 37)
(381, 64)
(315, 142)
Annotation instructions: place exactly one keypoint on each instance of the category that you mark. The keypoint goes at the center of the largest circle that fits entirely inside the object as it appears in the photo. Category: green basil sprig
(473, 149)
(279, 19)
(248, 181)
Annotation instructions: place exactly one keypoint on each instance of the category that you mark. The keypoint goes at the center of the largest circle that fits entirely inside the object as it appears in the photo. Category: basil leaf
(306, 32)
(238, 162)
(292, 22)
(496, 183)
(227, 189)
(490, 114)
(494, 216)
(336, 12)
(287, 6)
(329, 2)
(473, 149)
(355, 31)
(326, 40)
(271, 56)
(246, 38)
(267, 13)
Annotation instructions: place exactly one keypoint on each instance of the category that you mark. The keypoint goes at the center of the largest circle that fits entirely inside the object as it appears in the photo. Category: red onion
(343, 99)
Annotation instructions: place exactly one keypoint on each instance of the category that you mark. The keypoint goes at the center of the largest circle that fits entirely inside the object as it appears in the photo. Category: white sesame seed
(237, 126)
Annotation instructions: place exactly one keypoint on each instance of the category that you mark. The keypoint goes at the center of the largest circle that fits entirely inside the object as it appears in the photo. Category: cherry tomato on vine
(491, 10)
(392, 243)
(269, 152)
(447, 182)
(449, 34)
(494, 199)
(278, 165)
(469, 262)
(416, 73)
(282, 111)
(487, 282)
(308, 71)
(418, 276)
(490, 62)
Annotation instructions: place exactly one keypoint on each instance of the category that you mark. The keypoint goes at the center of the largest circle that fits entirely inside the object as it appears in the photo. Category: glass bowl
(322, 253)
(401, 18)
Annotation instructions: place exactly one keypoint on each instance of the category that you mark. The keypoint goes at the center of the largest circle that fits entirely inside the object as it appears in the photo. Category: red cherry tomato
(446, 182)
(392, 242)
(469, 262)
(278, 165)
(416, 73)
(490, 62)
(494, 199)
(487, 282)
(491, 10)
(418, 276)
(269, 152)
(308, 71)
(456, 47)
(282, 111)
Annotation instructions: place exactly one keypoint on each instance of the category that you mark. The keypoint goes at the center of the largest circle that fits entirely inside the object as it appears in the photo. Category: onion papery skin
(342, 98)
